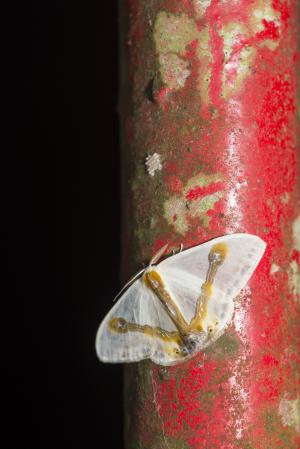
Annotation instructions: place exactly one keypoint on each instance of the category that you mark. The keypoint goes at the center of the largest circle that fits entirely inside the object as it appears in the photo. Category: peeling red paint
(198, 192)
(228, 397)
(285, 10)
(271, 31)
(161, 97)
(174, 182)
(269, 360)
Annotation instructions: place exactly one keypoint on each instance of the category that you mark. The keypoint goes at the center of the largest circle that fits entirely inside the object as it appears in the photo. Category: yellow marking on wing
(207, 289)
(153, 280)
(220, 248)
(122, 326)
(151, 277)
(118, 325)
(196, 322)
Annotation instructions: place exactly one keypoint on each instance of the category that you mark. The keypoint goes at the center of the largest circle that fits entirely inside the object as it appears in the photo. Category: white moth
(171, 311)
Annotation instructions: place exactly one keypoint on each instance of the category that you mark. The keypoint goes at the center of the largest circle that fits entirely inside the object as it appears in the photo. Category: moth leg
(122, 326)
(154, 281)
(216, 257)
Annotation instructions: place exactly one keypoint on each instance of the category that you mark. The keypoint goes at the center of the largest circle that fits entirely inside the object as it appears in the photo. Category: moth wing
(138, 305)
(184, 288)
(185, 272)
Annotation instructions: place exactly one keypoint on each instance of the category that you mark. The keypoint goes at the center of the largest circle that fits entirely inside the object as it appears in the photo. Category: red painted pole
(210, 149)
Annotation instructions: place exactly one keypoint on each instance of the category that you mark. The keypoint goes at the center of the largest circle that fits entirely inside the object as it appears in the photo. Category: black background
(60, 226)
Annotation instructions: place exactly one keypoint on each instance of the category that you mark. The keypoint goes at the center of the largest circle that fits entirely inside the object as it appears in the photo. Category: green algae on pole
(221, 115)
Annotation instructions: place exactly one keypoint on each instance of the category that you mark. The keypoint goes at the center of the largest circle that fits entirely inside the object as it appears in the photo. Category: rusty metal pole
(209, 148)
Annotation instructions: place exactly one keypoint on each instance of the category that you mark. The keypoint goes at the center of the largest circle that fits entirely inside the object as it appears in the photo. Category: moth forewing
(244, 252)
(139, 307)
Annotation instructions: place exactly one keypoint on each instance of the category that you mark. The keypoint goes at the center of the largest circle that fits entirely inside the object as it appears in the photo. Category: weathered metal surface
(213, 94)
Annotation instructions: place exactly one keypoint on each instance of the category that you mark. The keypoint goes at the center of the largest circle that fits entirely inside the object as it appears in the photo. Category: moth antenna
(158, 255)
(179, 251)
(131, 280)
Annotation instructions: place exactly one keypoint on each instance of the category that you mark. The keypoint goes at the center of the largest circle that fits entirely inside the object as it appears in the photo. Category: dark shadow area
(60, 227)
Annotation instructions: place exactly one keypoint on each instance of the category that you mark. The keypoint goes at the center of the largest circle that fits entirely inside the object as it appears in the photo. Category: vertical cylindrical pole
(210, 118)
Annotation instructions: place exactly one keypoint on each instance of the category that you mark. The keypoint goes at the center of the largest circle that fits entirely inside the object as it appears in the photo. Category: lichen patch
(274, 268)
(173, 33)
(175, 214)
(200, 207)
(205, 58)
(200, 7)
(296, 233)
(285, 198)
(289, 411)
(239, 40)
(264, 14)
(294, 280)
(237, 58)
(198, 196)
(173, 70)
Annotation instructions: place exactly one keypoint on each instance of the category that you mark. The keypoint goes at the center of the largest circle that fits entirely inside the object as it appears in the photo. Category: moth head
(193, 342)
